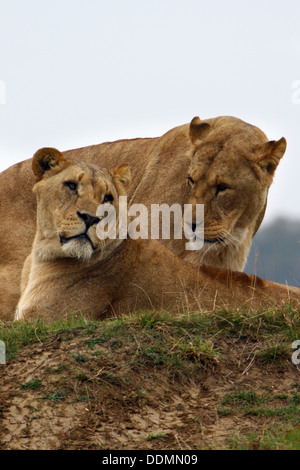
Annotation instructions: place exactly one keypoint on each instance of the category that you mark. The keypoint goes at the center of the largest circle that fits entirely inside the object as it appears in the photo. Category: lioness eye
(220, 187)
(107, 198)
(71, 185)
(190, 179)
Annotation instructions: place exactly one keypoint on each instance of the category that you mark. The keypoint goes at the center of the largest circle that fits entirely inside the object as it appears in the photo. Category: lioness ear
(47, 159)
(198, 129)
(270, 155)
(121, 176)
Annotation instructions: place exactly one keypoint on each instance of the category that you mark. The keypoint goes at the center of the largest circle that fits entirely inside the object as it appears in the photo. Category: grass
(16, 335)
(79, 357)
(249, 403)
(273, 439)
(278, 329)
(55, 397)
(182, 346)
(158, 338)
(152, 436)
(275, 352)
(31, 384)
(282, 412)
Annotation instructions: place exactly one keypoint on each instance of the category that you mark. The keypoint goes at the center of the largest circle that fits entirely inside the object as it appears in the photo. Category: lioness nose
(88, 219)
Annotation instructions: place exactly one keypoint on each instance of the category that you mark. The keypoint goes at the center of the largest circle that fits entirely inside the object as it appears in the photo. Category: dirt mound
(81, 390)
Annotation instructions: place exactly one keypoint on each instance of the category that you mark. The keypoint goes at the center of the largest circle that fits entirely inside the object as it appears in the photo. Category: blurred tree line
(275, 252)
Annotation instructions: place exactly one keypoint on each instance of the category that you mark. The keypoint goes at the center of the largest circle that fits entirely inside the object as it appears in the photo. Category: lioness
(224, 163)
(70, 269)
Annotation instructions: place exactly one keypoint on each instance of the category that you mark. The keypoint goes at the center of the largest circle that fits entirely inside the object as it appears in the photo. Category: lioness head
(230, 173)
(68, 195)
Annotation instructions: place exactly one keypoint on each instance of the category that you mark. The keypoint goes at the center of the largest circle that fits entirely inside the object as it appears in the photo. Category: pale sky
(81, 72)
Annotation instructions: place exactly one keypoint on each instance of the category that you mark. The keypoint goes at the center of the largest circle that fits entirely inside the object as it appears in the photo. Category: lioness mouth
(81, 236)
(215, 240)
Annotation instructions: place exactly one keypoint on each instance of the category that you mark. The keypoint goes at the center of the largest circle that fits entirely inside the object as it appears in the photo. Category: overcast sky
(80, 72)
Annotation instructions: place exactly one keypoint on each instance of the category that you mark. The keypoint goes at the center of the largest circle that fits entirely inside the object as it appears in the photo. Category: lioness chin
(70, 269)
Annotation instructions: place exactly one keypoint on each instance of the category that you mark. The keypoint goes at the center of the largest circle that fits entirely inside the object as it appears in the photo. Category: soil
(58, 394)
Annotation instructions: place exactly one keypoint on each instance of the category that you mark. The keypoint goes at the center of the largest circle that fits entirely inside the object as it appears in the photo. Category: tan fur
(111, 277)
(214, 151)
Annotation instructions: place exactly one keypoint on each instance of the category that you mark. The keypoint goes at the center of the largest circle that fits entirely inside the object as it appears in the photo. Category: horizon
(75, 74)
